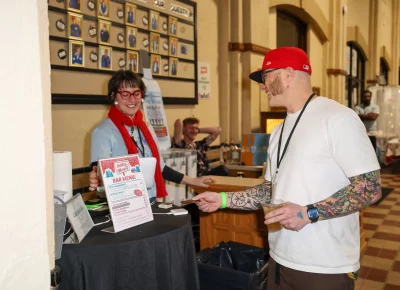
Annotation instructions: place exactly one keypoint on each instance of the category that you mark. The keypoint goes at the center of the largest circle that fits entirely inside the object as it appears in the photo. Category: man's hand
(93, 179)
(178, 124)
(372, 116)
(291, 216)
(208, 201)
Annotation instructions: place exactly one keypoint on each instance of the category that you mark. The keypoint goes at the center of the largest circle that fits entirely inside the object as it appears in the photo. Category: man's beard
(276, 87)
(367, 103)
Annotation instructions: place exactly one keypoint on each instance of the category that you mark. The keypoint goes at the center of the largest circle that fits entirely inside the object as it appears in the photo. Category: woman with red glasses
(125, 132)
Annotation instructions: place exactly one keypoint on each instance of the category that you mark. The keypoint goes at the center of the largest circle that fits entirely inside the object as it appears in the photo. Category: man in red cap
(322, 165)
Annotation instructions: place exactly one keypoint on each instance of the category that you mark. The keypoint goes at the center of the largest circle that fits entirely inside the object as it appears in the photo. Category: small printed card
(79, 217)
(126, 192)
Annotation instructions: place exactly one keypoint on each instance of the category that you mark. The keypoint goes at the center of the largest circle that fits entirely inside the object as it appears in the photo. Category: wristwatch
(312, 213)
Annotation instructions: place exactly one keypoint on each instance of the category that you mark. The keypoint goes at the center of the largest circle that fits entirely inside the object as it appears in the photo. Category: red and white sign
(126, 192)
(203, 80)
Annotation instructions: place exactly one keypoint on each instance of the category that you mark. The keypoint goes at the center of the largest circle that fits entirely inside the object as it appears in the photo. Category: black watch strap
(312, 213)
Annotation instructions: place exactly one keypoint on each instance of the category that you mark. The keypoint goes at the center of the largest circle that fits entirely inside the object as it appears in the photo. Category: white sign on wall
(203, 81)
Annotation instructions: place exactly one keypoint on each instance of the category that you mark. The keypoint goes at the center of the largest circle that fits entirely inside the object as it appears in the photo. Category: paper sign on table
(79, 217)
(126, 192)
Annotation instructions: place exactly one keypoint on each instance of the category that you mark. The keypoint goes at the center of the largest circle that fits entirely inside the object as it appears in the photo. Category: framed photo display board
(98, 37)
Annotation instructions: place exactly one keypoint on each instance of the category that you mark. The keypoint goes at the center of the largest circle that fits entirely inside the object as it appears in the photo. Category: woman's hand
(203, 181)
(208, 201)
(93, 179)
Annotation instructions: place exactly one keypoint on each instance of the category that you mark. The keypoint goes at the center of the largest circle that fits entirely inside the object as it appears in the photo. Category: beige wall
(272, 27)
(385, 25)
(324, 6)
(315, 52)
(358, 15)
(27, 243)
(72, 125)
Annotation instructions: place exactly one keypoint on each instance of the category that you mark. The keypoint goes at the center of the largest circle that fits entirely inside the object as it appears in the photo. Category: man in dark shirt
(132, 39)
(131, 16)
(104, 34)
(75, 28)
(77, 55)
(74, 4)
(189, 129)
(105, 60)
(103, 9)
(174, 68)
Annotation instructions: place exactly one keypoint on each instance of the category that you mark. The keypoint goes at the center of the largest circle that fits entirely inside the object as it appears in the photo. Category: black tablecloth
(156, 255)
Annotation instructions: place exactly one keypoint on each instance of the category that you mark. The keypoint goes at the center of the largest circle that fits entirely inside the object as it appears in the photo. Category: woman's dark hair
(125, 79)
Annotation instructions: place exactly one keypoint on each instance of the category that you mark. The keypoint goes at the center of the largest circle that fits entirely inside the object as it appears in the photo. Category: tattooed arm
(213, 133)
(249, 199)
(364, 189)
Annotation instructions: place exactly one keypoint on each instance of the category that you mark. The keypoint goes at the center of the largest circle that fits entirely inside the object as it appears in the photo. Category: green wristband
(223, 197)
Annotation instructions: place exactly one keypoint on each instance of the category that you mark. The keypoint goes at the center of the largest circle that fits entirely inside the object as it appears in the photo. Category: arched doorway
(291, 31)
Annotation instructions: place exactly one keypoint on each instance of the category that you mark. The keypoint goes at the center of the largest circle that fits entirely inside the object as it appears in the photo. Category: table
(245, 227)
(393, 148)
(249, 171)
(156, 255)
(388, 147)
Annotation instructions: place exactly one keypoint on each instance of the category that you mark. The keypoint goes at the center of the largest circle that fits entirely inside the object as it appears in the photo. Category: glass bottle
(235, 155)
(226, 153)
(221, 153)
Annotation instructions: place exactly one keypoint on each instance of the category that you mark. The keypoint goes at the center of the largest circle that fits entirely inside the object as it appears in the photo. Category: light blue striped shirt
(107, 141)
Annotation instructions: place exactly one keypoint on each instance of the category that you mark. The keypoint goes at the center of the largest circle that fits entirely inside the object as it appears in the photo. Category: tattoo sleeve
(249, 199)
(211, 138)
(364, 189)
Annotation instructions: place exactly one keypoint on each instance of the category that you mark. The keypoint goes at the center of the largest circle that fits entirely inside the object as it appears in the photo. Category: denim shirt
(107, 141)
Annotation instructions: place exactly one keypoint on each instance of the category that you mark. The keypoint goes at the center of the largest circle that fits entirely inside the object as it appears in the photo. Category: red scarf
(120, 119)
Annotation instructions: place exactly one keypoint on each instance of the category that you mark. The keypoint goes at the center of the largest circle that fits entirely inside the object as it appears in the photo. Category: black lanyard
(290, 135)
(141, 150)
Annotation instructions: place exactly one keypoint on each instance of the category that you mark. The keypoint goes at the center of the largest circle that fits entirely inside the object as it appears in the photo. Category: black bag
(233, 265)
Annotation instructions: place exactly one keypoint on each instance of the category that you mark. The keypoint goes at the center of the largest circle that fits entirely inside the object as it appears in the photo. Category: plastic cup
(270, 206)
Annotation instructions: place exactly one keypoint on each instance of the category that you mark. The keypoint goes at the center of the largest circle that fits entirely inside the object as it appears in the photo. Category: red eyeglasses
(125, 95)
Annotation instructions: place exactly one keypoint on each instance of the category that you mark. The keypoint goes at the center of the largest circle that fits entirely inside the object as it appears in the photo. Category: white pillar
(26, 226)
(224, 67)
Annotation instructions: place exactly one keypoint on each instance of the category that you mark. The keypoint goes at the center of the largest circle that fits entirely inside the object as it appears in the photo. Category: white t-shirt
(370, 125)
(328, 146)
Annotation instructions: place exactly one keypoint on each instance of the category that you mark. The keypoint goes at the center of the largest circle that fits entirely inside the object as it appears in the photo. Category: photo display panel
(98, 37)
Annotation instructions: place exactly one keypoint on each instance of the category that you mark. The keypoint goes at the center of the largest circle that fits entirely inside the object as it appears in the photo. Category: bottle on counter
(235, 153)
(221, 153)
(231, 147)
(226, 152)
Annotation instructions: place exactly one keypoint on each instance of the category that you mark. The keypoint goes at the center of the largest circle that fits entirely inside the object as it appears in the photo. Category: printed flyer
(126, 192)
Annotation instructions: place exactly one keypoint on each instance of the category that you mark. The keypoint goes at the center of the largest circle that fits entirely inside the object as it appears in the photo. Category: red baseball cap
(283, 57)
